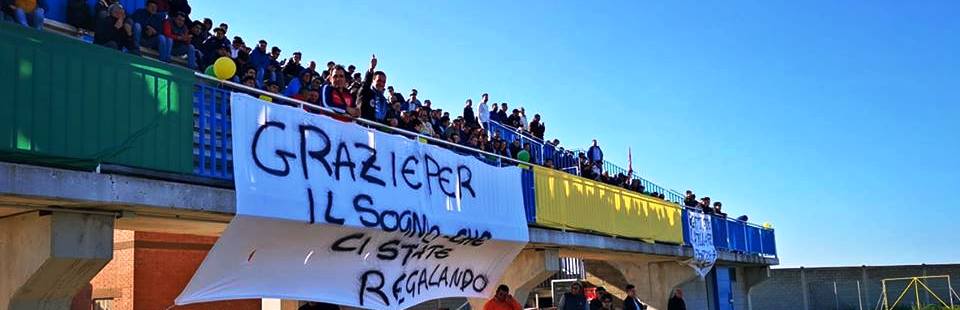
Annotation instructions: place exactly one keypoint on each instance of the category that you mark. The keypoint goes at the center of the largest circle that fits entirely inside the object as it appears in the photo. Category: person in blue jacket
(595, 154)
(302, 80)
(148, 29)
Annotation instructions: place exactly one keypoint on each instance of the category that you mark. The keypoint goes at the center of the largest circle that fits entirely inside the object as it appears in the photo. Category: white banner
(334, 212)
(701, 237)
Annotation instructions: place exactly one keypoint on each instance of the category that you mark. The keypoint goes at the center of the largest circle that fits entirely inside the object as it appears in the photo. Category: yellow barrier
(570, 202)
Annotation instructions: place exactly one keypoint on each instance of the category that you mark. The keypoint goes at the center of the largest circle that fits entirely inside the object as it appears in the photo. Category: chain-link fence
(929, 293)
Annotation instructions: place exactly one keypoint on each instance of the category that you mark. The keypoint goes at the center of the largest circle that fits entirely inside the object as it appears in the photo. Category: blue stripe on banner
(529, 196)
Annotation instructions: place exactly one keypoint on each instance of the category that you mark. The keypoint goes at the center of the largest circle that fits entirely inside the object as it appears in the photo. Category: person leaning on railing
(717, 209)
(690, 199)
(215, 46)
(537, 127)
(705, 205)
(514, 121)
(335, 95)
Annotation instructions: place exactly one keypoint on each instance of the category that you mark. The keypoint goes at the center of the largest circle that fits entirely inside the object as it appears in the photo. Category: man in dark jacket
(632, 302)
(177, 30)
(574, 300)
(373, 105)
(513, 121)
(292, 67)
(259, 58)
(495, 113)
(595, 154)
(690, 199)
(468, 114)
(502, 114)
(537, 127)
(148, 27)
(676, 302)
(210, 48)
(115, 32)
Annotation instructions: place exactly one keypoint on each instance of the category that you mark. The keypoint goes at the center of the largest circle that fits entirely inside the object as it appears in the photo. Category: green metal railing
(76, 105)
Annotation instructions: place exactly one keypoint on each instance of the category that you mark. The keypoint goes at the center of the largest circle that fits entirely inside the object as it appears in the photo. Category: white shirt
(484, 112)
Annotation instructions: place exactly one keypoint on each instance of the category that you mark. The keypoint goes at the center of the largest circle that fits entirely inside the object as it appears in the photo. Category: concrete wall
(813, 288)
(696, 294)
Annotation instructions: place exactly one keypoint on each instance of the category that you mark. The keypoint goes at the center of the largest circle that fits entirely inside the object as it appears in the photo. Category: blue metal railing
(540, 151)
(509, 135)
(733, 235)
(211, 137)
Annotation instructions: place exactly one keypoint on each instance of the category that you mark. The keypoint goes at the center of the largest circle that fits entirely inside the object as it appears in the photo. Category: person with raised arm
(373, 104)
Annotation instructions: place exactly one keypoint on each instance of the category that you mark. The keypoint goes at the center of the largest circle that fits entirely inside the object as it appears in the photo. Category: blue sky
(836, 121)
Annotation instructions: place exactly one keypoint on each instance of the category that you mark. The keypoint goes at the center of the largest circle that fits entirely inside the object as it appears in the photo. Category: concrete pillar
(866, 299)
(753, 276)
(803, 290)
(655, 281)
(47, 257)
(529, 269)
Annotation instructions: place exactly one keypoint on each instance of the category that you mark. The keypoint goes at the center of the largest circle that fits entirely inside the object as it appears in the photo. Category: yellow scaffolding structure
(916, 283)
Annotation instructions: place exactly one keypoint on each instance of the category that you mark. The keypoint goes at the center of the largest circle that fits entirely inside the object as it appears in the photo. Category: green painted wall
(67, 103)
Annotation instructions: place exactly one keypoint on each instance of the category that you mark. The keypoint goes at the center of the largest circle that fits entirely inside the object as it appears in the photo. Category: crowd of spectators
(704, 205)
(165, 26)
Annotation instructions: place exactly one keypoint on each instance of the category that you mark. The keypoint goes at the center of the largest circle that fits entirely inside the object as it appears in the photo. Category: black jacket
(514, 121)
(368, 98)
(210, 46)
(468, 115)
(633, 304)
(574, 302)
(106, 32)
(676, 303)
(537, 129)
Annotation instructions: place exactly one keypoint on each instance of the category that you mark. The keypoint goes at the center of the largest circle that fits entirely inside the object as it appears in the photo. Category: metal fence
(211, 137)
(736, 236)
(540, 151)
(649, 186)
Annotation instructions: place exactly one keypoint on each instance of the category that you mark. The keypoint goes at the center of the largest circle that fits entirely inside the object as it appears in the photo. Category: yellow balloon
(224, 68)
(767, 225)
